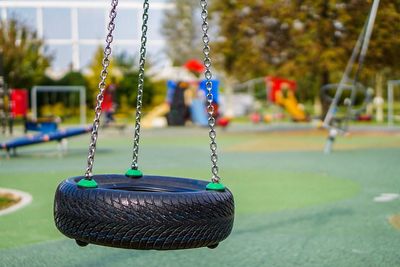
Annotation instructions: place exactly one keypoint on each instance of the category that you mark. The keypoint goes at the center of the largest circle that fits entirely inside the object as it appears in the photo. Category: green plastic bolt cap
(215, 187)
(86, 183)
(134, 173)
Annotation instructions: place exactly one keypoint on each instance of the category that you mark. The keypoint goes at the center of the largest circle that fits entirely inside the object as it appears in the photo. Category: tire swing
(137, 211)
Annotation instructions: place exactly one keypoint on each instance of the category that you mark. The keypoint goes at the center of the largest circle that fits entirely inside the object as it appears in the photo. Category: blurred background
(306, 97)
(61, 43)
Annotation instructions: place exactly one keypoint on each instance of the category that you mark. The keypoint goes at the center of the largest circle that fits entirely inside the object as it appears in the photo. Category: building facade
(73, 30)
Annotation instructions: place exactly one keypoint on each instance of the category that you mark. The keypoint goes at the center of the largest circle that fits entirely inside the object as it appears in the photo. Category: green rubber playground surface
(294, 205)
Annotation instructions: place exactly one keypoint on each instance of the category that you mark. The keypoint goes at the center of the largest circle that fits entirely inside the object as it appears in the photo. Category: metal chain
(142, 63)
(102, 87)
(210, 108)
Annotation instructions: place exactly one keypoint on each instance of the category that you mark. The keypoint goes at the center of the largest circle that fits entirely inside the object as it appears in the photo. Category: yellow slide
(156, 117)
(289, 102)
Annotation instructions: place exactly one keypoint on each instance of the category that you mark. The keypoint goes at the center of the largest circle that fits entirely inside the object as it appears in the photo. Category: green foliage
(47, 80)
(127, 88)
(160, 92)
(73, 78)
(93, 77)
(128, 82)
(182, 30)
(307, 40)
(23, 57)
(124, 73)
(63, 105)
(125, 62)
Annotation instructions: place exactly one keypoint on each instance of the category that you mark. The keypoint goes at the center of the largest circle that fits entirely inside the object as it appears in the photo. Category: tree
(128, 82)
(182, 30)
(383, 58)
(123, 72)
(93, 76)
(73, 78)
(308, 40)
(24, 57)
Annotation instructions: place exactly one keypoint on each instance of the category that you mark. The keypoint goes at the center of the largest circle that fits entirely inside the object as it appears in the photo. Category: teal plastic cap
(86, 183)
(134, 173)
(215, 187)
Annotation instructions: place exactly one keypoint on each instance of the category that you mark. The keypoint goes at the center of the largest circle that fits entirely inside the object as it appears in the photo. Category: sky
(91, 23)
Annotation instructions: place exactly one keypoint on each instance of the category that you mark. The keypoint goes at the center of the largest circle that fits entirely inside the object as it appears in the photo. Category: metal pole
(364, 49)
(361, 60)
(83, 105)
(75, 39)
(331, 111)
(3, 108)
(34, 102)
(39, 22)
(363, 41)
(4, 14)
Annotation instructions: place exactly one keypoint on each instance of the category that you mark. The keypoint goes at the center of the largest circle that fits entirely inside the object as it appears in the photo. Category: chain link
(210, 108)
(142, 63)
(102, 87)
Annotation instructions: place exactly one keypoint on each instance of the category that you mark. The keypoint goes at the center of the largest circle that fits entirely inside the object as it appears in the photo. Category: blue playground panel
(199, 113)
(43, 127)
(44, 137)
(214, 89)
(171, 85)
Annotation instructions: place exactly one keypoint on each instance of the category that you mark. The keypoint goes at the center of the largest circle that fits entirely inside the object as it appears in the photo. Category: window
(127, 26)
(27, 16)
(86, 54)
(91, 23)
(57, 23)
(62, 57)
(155, 24)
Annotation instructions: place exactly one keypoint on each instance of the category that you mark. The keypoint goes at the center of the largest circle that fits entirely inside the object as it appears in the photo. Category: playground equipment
(356, 113)
(282, 92)
(156, 117)
(186, 98)
(339, 123)
(179, 110)
(47, 128)
(289, 102)
(360, 52)
(42, 137)
(198, 113)
(13, 105)
(4, 107)
(174, 73)
(198, 109)
(279, 91)
(4, 98)
(390, 97)
(142, 211)
(176, 110)
(59, 89)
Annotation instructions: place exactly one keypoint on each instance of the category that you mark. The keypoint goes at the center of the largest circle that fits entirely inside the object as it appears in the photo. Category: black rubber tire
(213, 246)
(152, 212)
(81, 243)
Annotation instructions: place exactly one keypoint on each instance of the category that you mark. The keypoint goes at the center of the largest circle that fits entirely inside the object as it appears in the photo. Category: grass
(294, 206)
